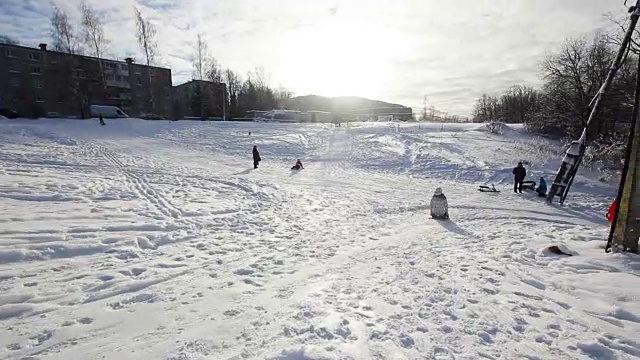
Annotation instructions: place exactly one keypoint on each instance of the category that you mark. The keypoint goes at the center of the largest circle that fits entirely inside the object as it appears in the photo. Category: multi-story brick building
(200, 98)
(35, 81)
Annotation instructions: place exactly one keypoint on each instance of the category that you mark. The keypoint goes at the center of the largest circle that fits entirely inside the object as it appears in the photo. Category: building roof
(78, 55)
(193, 81)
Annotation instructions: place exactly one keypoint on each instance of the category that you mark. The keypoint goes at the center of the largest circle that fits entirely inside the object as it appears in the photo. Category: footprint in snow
(40, 338)
(14, 347)
(406, 341)
(232, 312)
(251, 282)
(85, 320)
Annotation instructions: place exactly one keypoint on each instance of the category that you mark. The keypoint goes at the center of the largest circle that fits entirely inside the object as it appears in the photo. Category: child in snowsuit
(297, 166)
(439, 205)
(256, 157)
(519, 173)
(542, 188)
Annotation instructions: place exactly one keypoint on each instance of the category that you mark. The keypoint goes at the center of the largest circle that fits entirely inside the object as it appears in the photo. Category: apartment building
(34, 81)
(200, 98)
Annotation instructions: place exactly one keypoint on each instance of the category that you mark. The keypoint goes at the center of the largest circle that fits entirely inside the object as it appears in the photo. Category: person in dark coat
(519, 173)
(256, 157)
(297, 166)
(101, 120)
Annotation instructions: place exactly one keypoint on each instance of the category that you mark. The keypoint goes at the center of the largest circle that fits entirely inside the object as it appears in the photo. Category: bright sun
(337, 59)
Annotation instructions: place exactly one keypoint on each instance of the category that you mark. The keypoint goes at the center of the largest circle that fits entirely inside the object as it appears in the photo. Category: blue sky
(399, 51)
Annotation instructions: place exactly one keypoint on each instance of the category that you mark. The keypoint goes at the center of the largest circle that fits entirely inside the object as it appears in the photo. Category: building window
(37, 83)
(110, 77)
(139, 81)
(36, 70)
(111, 66)
(15, 83)
(38, 98)
(34, 56)
(15, 70)
(10, 53)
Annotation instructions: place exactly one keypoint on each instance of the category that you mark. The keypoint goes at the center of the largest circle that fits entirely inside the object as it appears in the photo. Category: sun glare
(337, 59)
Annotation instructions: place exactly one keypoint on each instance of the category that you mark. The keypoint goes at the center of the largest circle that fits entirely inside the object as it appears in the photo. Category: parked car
(107, 111)
(151, 117)
(9, 114)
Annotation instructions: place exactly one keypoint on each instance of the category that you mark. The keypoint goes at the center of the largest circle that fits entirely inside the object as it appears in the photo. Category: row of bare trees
(252, 91)
(572, 77)
(243, 93)
(431, 114)
(88, 38)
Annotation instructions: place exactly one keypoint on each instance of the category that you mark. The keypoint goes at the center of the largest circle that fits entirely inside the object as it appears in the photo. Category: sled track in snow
(142, 187)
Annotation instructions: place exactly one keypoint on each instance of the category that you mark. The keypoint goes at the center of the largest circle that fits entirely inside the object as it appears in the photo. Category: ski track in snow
(157, 240)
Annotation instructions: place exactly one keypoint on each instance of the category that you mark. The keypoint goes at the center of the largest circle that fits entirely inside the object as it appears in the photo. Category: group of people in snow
(439, 205)
(519, 174)
(257, 159)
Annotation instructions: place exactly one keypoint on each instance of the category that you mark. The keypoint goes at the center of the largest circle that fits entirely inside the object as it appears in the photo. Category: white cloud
(396, 51)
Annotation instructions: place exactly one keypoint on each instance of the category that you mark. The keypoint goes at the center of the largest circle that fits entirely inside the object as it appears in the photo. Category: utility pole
(625, 227)
(573, 158)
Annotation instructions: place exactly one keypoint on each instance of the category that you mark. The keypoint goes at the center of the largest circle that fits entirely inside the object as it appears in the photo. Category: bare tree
(200, 58)
(4, 39)
(147, 40)
(64, 38)
(92, 31)
(146, 37)
(234, 87)
(214, 72)
(615, 38)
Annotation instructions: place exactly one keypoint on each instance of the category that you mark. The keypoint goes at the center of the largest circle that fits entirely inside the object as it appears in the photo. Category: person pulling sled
(439, 205)
(297, 166)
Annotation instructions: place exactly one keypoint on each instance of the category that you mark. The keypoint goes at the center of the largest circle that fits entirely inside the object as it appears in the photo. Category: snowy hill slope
(157, 240)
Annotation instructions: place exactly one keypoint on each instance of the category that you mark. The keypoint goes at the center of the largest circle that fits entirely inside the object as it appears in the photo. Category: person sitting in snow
(297, 166)
(439, 206)
(542, 188)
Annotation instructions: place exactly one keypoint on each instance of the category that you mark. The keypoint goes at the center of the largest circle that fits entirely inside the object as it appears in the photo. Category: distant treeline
(572, 75)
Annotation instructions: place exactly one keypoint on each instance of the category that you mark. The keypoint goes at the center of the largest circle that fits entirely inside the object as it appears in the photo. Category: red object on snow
(612, 211)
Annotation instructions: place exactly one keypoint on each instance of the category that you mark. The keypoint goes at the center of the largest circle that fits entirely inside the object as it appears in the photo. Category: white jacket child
(439, 205)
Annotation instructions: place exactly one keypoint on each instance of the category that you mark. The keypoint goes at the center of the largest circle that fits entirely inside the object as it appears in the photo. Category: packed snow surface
(158, 240)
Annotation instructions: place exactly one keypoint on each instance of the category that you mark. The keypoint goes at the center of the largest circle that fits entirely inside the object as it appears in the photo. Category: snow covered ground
(157, 240)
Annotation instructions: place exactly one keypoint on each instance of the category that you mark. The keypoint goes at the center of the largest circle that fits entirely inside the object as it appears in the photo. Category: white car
(107, 111)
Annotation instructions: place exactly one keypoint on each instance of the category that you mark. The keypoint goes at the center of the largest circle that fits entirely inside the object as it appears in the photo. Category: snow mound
(496, 127)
